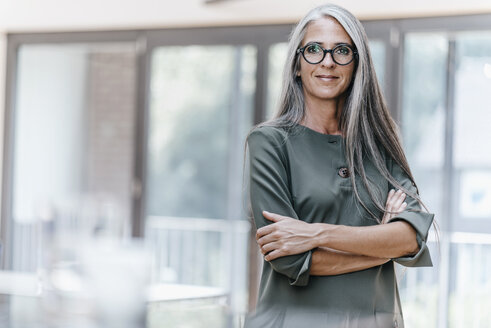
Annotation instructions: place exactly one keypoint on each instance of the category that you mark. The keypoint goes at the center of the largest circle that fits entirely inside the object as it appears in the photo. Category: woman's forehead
(326, 31)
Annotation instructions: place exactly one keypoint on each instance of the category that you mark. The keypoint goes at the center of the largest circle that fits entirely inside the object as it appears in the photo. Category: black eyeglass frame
(330, 51)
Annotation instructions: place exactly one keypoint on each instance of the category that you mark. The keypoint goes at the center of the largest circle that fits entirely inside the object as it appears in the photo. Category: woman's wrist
(322, 233)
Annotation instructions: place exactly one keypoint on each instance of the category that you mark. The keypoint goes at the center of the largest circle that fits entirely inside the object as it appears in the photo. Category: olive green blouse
(299, 173)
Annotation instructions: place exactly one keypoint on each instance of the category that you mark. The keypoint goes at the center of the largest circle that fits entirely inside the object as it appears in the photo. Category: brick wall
(110, 126)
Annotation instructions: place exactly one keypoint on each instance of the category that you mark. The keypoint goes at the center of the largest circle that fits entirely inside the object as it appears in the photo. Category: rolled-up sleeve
(414, 215)
(269, 191)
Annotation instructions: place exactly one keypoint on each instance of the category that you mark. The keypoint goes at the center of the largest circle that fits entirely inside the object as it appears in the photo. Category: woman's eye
(343, 50)
(314, 48)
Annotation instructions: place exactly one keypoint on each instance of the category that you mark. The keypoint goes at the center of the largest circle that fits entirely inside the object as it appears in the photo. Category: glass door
(446, 114)
(201, 109)
(470, 252)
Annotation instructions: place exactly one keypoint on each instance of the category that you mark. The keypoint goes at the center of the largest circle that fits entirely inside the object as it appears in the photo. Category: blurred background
(129, 117)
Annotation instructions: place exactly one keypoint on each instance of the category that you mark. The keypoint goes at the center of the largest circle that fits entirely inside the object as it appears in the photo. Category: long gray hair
(365, 119)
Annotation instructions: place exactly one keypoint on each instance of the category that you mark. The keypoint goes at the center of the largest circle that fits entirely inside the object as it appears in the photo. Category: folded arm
(290, 236)
(325, 261)
(388, 240)
(329, 262)
(403, 238)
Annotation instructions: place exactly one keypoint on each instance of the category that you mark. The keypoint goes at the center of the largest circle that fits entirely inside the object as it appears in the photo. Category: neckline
(322, 135)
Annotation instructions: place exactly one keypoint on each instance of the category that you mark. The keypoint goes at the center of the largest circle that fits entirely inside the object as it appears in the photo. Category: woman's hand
(395, 204)
(286, 236)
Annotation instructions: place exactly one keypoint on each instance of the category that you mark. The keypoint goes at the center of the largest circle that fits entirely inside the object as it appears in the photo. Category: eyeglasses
(314, 53)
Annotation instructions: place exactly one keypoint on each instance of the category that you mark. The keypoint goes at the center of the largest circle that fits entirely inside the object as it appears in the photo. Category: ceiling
(63, 15)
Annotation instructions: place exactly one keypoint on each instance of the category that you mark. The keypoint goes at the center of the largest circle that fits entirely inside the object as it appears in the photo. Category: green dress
(302, 177)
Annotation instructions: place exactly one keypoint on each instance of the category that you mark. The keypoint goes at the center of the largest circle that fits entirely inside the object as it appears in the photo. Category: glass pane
(196, 94)
(423, 112)
(423, 119)
(470, 284)
(419, 292)
(276, 63)
(472, 138)
(201, 109)
(377, 49)
(74, 133)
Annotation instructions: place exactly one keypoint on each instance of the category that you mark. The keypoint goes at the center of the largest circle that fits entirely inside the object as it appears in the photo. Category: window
(445, 111)
(73, 135)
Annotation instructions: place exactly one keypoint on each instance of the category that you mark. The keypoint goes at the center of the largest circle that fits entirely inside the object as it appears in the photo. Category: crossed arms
(340, 249)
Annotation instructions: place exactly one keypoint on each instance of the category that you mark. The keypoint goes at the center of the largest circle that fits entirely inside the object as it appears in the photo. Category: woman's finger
(394, 204)
(265, 249)
(273, 255)
(392, 196)
(398, 201)
(273, 216)
(265, 240)
(263, 231)
(270, 227)
(389, 196)
(390, 200)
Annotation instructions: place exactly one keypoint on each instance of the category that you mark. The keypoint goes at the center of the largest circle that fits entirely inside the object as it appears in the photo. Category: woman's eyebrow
(336, 43)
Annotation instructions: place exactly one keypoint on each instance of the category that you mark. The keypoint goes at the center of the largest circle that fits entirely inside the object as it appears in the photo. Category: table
(23, 304)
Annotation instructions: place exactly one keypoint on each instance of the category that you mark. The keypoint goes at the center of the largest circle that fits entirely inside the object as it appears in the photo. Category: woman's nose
(328, 61)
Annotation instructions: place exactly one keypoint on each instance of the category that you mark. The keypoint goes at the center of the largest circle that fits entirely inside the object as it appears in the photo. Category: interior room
(124, 201)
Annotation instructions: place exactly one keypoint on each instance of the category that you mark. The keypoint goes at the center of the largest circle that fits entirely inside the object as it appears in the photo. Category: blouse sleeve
(269, 191)
(419, 220)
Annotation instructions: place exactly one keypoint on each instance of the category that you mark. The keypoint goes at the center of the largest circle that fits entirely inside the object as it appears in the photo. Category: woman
(326, 170)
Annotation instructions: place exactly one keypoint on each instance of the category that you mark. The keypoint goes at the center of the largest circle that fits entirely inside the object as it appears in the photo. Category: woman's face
(325, 80)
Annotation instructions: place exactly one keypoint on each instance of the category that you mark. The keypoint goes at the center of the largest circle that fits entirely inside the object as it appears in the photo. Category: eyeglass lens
(341, 54)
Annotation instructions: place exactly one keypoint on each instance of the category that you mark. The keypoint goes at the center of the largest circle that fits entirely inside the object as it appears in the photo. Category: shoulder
(267, 141)
(267, 134)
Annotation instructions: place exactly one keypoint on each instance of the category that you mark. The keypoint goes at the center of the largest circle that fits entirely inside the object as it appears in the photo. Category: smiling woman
(324, 76)
(323, 174)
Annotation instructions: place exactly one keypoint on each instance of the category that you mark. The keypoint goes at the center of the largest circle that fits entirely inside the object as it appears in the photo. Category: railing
(197, 251)
(458, 286)
(26, 246)
(202, 252)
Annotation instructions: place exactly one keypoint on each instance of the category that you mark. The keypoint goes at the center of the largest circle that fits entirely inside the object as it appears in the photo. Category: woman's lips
(326, 77)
